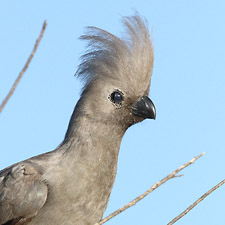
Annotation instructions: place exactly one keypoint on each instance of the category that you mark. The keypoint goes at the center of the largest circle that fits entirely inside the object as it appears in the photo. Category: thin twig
(156, 185)
(196, 203)
(24, 68)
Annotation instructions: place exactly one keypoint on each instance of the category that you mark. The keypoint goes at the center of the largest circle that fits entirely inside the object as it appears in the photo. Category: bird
(71, 185)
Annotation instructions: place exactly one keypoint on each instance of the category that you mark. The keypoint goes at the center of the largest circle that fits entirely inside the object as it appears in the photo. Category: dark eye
(116, 97)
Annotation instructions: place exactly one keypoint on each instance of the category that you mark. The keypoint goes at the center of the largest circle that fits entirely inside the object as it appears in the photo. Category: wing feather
(22, 193)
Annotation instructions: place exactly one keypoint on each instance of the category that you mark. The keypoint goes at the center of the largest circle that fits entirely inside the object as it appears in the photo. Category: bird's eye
(116, 97)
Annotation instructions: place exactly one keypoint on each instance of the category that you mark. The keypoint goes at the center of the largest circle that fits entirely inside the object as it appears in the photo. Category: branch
(196, 203)
(156, 185)
(24, 68)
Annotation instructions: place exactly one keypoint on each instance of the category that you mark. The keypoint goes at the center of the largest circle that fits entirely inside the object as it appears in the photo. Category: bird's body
(72, 184)
(82, 168)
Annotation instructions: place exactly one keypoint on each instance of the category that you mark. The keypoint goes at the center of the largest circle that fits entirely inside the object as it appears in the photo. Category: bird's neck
(90, 154)
(92, 141)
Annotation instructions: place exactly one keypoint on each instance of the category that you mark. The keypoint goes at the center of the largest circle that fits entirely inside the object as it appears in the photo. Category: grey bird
(72, 184)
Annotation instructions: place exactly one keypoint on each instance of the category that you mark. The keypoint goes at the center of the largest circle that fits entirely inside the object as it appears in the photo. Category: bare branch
(24, 68)
(196, 203)
(156, 185)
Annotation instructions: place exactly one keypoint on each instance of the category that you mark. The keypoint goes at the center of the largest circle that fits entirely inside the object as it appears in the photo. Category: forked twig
(24, 68)
(156, 185)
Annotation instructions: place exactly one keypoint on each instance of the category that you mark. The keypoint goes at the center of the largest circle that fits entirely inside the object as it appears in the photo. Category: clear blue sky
(188, 89)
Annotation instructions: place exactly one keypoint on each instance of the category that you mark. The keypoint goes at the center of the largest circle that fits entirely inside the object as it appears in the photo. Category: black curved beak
(144, 108)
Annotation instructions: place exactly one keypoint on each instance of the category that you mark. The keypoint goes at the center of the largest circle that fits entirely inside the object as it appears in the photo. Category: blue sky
(188, 89)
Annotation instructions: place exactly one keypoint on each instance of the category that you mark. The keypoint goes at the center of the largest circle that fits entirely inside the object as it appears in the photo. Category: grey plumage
(72, 184)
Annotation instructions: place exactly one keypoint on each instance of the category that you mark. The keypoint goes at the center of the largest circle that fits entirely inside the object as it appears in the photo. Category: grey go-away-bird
(72, 184)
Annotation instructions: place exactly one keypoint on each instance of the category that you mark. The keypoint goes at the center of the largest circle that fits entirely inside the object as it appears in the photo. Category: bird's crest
(129, 60)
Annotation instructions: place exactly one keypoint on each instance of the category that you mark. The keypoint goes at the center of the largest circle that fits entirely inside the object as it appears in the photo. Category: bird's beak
(144, 108)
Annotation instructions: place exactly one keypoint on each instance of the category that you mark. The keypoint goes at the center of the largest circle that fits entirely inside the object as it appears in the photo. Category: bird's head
(117, 74)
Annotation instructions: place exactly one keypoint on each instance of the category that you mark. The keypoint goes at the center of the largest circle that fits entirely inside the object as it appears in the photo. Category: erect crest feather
(127, 60)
